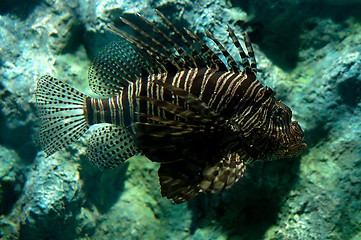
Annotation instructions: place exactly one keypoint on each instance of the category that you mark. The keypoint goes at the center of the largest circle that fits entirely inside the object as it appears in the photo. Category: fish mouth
(297, 144)
(294, 149)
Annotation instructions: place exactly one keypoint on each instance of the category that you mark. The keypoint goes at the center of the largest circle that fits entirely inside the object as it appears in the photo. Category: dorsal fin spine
(247, 42)
(231, 62)
(179, 50)
(211, 58)
(161, 46)
(186, 42)
(242, 54)
(156, 56)
(189, 58)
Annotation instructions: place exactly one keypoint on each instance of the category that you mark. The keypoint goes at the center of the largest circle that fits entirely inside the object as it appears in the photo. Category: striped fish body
(219, 91)
(185, 108)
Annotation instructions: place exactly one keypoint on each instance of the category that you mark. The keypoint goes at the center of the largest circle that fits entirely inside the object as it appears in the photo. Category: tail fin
(60, 108)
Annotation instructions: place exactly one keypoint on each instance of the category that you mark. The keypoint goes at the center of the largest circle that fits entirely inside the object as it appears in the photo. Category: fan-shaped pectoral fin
(223, 174)
(179, 180)
(183, 180)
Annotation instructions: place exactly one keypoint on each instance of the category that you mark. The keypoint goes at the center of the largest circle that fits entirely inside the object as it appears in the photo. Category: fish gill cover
(307, 52)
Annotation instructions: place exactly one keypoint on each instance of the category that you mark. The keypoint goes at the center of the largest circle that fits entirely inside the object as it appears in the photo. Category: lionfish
(173, 99)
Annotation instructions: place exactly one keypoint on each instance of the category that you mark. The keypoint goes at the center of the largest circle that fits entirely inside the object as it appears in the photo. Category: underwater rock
(331, 87)
(11, 179)
(57, 25)
(47, 31)
(17, 118)
(324, 203)
(30, 47)
(51, 200)
(140, 211)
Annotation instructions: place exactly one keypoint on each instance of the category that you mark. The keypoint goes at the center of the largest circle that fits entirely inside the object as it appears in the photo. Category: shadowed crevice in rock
(278, 27)
(251, 207)
(20, 8)
(318, 134)
(17, 126)
(103, 188)
(350, 91)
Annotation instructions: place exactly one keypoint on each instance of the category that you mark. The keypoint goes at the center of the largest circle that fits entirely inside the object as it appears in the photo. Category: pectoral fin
(183, 180)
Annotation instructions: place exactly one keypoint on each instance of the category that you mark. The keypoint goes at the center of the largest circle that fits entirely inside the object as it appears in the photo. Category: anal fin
(109, 146)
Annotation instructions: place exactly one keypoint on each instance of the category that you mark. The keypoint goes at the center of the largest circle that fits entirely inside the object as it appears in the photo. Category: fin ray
(115, 67)
(230, 61)
(109, 146)
(60, 108)
(183, 180)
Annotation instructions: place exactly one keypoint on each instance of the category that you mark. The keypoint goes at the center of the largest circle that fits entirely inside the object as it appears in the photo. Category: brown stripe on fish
(221, 84)
(229, 95)
(186, 77)
(141, 90)
(173, 79)
(207, 82)
(88, 111)
(114, 112)
(191, 76)
(95, 108)
(149, 93)
(125, 104)
(103, 110)
(245, 90)
(237, 93)
(252, 114)
(102, 113)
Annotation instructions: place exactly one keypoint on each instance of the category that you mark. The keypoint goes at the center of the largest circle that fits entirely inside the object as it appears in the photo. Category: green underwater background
(308, 52)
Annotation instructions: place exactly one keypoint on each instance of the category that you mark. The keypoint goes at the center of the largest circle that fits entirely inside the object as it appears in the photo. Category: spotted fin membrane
(109, 146)
(60, 108)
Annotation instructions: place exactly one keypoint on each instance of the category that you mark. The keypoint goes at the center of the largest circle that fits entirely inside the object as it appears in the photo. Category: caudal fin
(60, 109)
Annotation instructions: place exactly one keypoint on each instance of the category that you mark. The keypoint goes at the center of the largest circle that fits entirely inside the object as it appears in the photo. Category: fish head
(284, 136)
(276, 137)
